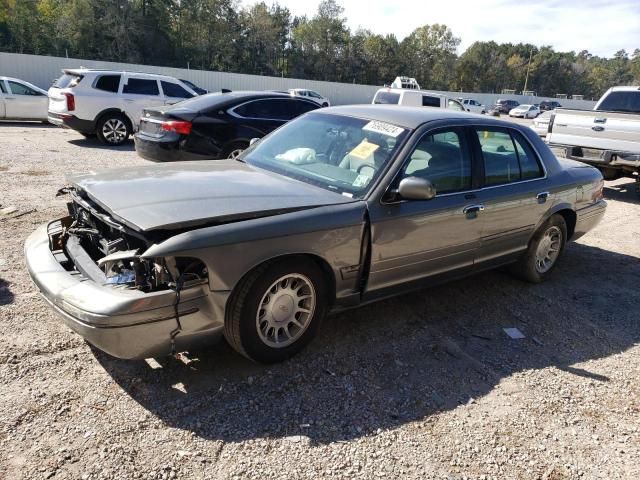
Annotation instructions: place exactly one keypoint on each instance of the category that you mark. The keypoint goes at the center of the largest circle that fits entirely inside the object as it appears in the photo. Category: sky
(602, 27)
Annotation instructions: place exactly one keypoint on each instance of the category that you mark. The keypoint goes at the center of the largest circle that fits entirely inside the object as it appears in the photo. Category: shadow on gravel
(401, 360)
(6, 295)
(26, 124)
(625, 192)
(93, 142)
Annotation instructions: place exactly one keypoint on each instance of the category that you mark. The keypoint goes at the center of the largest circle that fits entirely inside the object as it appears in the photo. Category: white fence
(42, 70)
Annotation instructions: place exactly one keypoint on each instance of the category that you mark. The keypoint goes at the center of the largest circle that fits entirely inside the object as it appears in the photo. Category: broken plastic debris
(514, 333)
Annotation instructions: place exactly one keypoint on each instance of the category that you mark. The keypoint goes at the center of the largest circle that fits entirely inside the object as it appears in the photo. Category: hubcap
(548, 249)
(114, 130)
(285, 310)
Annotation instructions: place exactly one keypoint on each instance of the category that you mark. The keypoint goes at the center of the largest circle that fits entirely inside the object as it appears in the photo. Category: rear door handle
(473, 208)
(542, 196)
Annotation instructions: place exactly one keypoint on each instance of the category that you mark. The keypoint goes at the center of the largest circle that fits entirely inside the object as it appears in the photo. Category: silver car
(340, 207)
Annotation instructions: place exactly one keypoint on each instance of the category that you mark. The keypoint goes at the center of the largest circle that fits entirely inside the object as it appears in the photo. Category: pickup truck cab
(415, 98)
(607, 137)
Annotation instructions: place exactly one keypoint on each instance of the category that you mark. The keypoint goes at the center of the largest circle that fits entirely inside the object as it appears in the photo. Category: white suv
(311, 95)
(109, 103)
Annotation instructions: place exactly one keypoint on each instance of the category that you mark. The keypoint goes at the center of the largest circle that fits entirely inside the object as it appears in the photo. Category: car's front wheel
(277, 309)
(113, 129)
(544, 250)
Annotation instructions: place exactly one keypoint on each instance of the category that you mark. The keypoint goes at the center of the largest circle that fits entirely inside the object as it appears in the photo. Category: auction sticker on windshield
(364, 150)
(383, 128)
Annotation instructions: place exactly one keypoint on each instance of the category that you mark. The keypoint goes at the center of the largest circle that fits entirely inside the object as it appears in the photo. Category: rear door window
(428, 101)
(3, 89)
(386, 98)
(507, 157)
(267, 109)
(298, 107)
(108, 83)
(174, 90)
(141, 86)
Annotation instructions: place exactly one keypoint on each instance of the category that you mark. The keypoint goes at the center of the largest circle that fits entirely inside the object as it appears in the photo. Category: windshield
(335, 152)
(67, 80)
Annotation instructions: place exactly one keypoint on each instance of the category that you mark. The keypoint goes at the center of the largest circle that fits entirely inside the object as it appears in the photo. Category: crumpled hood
(187, 194)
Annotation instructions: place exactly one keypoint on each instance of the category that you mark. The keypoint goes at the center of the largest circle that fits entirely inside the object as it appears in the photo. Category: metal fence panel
(43, 70)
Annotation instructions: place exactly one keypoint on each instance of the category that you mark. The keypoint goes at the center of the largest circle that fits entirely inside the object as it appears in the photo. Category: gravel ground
(422, 386)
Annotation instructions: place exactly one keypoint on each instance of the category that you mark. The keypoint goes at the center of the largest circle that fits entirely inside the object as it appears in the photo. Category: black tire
(113, 129)
(528, 267)
(243, 327)
(325, 104)
(610, 173)
(234, 149)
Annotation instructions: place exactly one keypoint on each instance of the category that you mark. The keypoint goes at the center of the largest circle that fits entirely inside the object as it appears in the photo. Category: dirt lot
(423, 386)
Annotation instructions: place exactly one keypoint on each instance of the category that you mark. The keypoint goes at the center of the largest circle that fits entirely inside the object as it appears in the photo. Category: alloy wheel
(114, 130)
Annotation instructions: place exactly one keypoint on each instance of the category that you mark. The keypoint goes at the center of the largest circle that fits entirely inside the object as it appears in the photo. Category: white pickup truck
(607, 137)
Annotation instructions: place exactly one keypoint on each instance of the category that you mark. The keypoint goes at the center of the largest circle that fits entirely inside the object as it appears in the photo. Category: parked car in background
(194, 87)
(109, 103)
(540, 124)
(20, 100)
(525, 111)
(214, 126)
(474, 106)
(340, 207)
(415, 98)
(549, 105)
(607, 137)
(505, 106)
(310, 95)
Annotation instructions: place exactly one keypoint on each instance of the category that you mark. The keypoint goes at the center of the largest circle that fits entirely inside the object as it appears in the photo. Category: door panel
(3, 93)
(23, 102)
(418, 239)
(413, 239)
(515, 195)
(138, 94)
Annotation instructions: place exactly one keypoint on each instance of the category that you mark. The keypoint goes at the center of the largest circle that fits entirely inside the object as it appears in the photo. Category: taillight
(71, 102)
(178, 126)
(598, 193)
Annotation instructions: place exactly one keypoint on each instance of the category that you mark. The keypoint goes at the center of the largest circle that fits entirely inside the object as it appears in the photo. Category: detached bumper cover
(125, 323)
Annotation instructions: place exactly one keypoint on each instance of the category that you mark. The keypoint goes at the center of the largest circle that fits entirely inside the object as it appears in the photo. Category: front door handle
(473, 208)
(542, 197)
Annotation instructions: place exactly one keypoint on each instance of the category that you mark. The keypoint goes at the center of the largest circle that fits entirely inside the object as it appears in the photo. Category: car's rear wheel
(113, 129)
(276, 310)
(234, 150)
(544, 250)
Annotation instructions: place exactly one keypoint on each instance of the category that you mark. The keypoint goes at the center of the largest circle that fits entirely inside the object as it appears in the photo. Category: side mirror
(414, 188)
(253, 140)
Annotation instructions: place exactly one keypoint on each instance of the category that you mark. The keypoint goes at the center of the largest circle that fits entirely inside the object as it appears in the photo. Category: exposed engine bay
(90, 241)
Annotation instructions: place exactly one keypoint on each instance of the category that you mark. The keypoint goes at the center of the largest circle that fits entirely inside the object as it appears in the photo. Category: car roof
(407, 117)
(411, 90)
(625, 88)
(84, 71)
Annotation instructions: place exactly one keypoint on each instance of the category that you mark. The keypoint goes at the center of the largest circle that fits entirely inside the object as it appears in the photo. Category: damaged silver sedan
(336, 209)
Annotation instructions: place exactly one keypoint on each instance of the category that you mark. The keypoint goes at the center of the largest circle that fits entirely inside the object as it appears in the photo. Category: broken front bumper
(123, 322)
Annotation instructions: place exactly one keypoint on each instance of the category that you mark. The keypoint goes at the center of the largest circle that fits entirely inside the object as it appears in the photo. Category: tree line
(266, 39)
